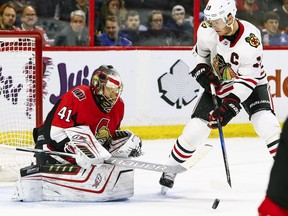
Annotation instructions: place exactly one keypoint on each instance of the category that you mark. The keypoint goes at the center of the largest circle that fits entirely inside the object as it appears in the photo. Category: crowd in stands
(270, 16)
(133, 22)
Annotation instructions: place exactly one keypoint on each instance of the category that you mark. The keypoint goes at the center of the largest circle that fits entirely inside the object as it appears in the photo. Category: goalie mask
(106, 87)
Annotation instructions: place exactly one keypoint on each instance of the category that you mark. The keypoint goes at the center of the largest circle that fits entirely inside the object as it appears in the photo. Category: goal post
(21, 97)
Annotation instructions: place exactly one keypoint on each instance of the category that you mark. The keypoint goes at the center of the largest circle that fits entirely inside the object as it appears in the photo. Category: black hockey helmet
(106, 87)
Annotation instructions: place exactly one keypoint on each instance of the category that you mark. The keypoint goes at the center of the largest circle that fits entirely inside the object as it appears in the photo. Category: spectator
(84, 6)
(64, 7)
(157, 35)
(189, 8)
(268, 5)
(182, 29)
(45, 9)
(250, 11)
(271, 35)
(29, 19)
(45, 13)
(18, 4)
(132, 27)
(8, 17)
(283, 13)
(144, 7)
(111, 36)
(111, 7)
(75, 34)
(63, 10)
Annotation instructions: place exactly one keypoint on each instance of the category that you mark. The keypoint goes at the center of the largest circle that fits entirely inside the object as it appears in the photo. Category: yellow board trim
(173, 131)
(145, 132)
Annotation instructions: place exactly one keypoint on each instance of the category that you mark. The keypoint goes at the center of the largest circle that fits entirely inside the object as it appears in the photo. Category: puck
(215, 203)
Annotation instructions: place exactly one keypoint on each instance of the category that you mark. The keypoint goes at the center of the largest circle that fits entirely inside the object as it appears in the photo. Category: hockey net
(20, 98)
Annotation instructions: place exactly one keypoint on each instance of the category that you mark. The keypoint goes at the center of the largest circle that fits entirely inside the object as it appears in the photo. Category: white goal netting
(19, 71)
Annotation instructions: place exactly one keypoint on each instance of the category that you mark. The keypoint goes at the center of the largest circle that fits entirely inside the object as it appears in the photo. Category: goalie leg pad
(28, 190)
(73, 183)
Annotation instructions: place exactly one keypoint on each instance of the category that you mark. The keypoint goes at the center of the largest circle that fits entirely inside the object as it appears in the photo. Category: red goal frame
(38, 67)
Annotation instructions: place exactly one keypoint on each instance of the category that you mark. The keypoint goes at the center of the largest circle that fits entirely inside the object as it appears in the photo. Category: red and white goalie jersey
(78, 107)
(238, 63)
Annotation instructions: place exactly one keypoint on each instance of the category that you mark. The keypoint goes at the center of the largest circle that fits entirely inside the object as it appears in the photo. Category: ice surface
(193, 193)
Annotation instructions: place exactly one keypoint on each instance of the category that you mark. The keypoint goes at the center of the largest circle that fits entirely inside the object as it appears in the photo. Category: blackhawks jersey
(78, 107)
(237, 59)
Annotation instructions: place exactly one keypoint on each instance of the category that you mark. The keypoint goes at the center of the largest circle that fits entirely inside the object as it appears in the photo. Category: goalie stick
(135, 164)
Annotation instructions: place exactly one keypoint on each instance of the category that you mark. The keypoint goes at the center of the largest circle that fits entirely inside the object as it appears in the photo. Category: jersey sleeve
(65, 115)
(206, 41)
(250, 72)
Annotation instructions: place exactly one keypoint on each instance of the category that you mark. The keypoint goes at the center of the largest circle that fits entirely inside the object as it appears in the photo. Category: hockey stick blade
(134, 164)
(145, 165)
(199, 154)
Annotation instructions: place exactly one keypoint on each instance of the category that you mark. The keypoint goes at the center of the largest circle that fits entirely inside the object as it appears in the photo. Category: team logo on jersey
(223, 69)
(178, 86)
(253, 40)
(79, 93)
(102, 132)
(206, 24)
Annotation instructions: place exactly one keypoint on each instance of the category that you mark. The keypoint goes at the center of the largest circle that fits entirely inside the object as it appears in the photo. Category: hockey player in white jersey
(228, 54)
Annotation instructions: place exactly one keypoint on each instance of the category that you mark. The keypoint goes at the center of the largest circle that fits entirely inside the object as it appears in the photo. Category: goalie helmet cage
(20, 98)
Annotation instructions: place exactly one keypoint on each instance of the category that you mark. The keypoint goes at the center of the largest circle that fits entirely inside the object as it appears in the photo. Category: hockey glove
(125, 144)
(205, 76)
(229, 108)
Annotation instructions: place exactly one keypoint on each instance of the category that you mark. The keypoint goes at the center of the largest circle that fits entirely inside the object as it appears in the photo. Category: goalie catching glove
(89, 152)
(125, 144)
(229, 108)
(205, 76)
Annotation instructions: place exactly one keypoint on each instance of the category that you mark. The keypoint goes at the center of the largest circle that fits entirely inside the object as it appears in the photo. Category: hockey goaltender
(84, 125)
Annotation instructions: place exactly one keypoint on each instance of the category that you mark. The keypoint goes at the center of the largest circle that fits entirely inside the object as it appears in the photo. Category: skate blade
(164, 190)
